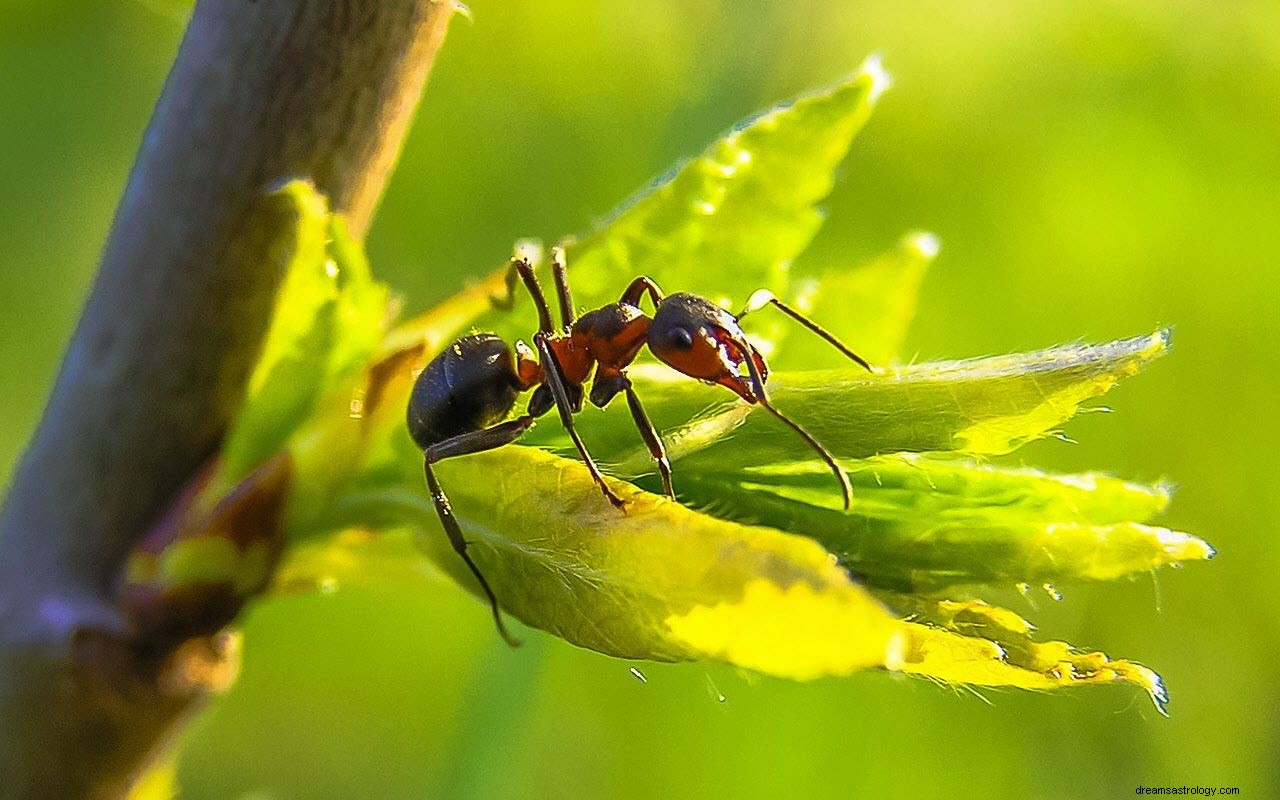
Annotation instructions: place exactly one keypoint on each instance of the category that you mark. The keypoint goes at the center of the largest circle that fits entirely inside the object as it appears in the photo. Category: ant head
(694, 336)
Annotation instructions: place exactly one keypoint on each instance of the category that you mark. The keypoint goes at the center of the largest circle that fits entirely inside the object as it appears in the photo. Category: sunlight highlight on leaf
(658, 581)
(792, 632)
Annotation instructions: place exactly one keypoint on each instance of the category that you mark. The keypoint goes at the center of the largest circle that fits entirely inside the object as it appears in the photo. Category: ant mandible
(461, 398)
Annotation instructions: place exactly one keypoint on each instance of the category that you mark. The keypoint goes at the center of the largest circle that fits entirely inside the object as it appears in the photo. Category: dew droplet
(880, 80)
(714, 691)
(926, 245)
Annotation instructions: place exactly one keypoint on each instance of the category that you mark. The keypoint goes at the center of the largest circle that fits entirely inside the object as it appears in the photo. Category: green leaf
(330, 316)
(723, 223)
(362, 314)
(920, 524)
(659, 581)
(869, 308)
(732, 218)
(290, 372)
(987, 406)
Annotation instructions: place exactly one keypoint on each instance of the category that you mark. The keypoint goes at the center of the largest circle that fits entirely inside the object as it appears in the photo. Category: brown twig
(261, 90)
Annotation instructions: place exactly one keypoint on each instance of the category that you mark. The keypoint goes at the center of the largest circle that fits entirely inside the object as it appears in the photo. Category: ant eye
(680, 338)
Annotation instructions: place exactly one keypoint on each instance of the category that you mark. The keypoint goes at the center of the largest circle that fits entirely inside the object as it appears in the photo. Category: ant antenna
(764, 297)
(846, 488)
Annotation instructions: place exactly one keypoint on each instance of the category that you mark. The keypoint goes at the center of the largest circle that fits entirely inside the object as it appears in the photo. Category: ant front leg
(606, 387)
(464, 444)
(555, 380)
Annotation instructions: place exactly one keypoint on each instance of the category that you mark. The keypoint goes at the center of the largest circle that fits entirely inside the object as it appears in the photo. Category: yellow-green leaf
(923, 524)
(329, 318)
(972, 643)
(654, 581)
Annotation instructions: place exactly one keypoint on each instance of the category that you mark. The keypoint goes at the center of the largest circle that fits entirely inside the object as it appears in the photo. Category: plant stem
(261, 90)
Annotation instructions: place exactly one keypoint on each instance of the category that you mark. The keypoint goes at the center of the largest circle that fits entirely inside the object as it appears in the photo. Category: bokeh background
(1093, 169)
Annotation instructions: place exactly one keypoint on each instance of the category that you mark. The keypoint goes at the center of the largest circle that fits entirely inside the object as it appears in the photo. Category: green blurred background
(1092, 169)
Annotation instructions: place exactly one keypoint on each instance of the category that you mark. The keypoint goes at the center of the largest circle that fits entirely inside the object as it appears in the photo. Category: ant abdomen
(471, 385)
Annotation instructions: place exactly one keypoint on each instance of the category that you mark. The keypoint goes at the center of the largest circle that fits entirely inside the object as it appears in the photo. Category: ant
(461, 399)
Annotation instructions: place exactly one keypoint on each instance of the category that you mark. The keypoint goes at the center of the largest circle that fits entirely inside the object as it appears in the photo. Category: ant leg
(521, 269)
(652, 439)
(561, 274)
(637, 290)
(475, 442)
(764, 297)
(554, 379)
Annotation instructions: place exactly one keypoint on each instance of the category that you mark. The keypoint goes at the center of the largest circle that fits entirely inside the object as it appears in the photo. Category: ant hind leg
(473, 442)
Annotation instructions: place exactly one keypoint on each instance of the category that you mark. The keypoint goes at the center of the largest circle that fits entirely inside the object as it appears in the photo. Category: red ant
(461, 398)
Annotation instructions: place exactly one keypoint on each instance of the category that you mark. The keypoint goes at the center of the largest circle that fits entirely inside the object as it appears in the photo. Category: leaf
(291, 370)
(330, 317)
(723, 223)
(657, 581)
(924, 525)
(972, 643)
(362, 314)
(732, 218)
(869, 308)
(757, 581)
(987, 406)
(662, 582)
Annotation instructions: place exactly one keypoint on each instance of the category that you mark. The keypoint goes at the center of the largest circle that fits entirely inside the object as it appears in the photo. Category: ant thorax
(610, 336)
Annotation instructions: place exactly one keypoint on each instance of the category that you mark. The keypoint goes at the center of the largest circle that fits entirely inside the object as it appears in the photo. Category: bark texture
(261, 91)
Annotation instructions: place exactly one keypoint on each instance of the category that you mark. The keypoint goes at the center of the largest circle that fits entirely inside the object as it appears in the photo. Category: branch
(261, 90)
